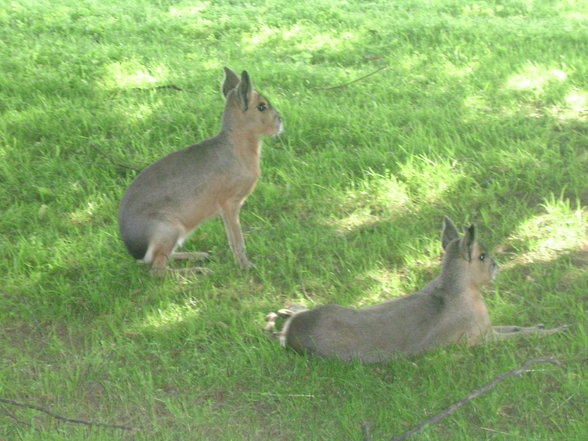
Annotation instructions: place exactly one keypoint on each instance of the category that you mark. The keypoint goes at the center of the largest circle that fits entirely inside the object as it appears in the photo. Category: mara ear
(244, 91)
(231, 81)
(467, 242)
(449, 232)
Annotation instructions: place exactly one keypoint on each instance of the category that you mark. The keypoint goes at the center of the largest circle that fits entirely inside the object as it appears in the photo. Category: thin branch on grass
(165, 86)
(485, 388)
(13, 416)
(113, 160)
(340, 86)
(269, 394)
(62, 418)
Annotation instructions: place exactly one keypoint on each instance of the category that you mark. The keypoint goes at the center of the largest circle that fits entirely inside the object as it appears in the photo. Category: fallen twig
(14, 417)
(353, 81)
(485, 388)
(165, 86)
(62, 418)
(269, 394)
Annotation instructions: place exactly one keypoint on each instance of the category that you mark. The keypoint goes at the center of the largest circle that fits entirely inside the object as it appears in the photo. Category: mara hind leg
(270, 318)
(504, 332)
(270, 323)
(161, 249)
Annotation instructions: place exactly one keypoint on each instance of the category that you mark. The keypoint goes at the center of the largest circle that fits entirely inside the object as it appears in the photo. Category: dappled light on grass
(420, 263)
(300, 42)
(544, 237)
(372, 199)
(379, 197)
(266, 34)
(534, 91)
(459, 71)
(84, 214)
(192, 11)
(136, 112)
(93, 209)
(480, 115)
(546, 91)
(132, 74)
(357, 219)
(430, 179)
(535, 79)
(170, 316)
(573, 108)
(386, 285)
(195, 21)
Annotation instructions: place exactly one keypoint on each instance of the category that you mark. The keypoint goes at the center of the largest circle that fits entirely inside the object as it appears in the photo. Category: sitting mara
(171, 197)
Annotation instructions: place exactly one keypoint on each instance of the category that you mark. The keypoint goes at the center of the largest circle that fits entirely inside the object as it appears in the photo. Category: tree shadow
(334, 244)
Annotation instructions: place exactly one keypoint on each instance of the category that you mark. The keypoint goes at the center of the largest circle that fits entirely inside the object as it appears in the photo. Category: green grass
(482, 115)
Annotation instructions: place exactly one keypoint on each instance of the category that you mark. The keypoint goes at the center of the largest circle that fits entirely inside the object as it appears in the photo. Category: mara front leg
(230, 214)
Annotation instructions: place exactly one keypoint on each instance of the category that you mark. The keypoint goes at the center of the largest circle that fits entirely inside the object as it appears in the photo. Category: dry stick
(354, 81)
(62, 418)
(14, 417)
(475, 393)
(165, 86)
(169, 86)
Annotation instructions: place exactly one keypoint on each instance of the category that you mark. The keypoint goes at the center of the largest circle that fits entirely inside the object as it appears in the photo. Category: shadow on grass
(317, 252)
(96, 319)
(315, 257)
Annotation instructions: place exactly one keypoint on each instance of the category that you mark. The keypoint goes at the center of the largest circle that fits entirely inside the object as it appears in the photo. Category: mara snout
(172, 196)
(449, 309)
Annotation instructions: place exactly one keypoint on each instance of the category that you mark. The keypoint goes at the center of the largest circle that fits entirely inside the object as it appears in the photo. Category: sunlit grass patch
(396, 114)
(573, 107)
(535, 79)
(387, 283)
(561, 228)
(301, 43)
(300, 37)
(193, 11)
(372, 200)
(132, 74)
(170, 316)
(430, 180)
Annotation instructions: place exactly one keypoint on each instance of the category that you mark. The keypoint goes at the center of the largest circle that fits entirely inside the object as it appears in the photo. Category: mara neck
(241, 140)
(451, 283)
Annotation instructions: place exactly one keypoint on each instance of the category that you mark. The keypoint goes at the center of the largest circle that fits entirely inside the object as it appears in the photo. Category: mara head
(464, 257)
(248, 109)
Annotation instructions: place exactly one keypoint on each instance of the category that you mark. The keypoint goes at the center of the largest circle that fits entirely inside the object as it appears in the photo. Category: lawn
(396, 112)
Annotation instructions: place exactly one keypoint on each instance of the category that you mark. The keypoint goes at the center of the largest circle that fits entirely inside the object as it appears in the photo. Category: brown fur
(172, 196)
(449, 309)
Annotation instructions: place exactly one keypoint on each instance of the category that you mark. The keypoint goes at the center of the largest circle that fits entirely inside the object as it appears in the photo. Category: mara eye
(261, 107)
(482, 257)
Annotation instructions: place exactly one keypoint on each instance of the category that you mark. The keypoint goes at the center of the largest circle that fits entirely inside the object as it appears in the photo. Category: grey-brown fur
(448, 309)
(172, 196)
